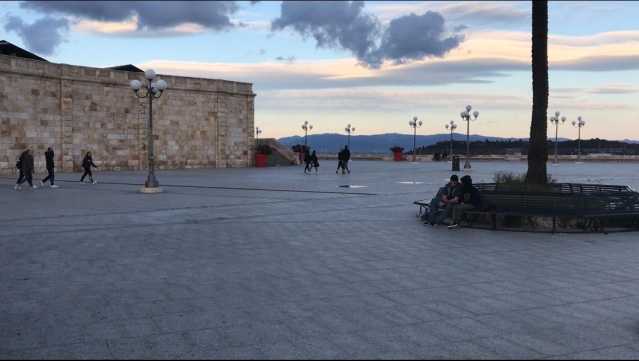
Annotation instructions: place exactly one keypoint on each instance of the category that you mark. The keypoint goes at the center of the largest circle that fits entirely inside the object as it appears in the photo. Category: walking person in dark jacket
(26, 167)
(307, 161)
(314, 162)
(347, 158)
(49, 157)
(87, 163)
(340, 161)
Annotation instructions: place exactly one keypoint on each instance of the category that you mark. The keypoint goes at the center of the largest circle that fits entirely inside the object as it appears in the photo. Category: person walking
(87, 163)
(347, 158)
(25, 165)
(307, 161)
(314, 162)
(340, 161)
(49, 156)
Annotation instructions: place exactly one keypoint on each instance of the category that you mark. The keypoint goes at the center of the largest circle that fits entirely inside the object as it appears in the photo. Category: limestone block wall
(73, 109)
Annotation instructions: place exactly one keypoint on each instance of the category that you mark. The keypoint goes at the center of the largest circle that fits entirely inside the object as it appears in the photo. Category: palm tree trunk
(537, 148)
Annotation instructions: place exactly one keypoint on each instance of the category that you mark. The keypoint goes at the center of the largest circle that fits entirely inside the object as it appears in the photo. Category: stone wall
(73, 109)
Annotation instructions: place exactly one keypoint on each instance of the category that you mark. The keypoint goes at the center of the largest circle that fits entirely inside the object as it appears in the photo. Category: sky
(371, 64)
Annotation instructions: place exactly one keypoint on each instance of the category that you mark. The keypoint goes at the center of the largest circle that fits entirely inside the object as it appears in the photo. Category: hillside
(379, 143)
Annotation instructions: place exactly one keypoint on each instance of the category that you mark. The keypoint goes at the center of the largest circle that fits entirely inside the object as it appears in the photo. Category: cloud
(344, 73)
(485, 12)
(287, 59)
(598, 63)
(332, 24)
(41, 36)
(615, 90)
(415, 37)
(344, 25)
(213, 15)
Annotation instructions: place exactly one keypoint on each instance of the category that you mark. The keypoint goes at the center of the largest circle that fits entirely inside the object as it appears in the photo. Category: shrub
(512, 178)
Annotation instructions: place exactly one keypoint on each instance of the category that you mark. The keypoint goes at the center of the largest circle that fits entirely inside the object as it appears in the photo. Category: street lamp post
(467, 116)
(349, 130)
(258, 131)
(580, 123)
(555, 120)
(452, 126)
(307, 127)
(153, 89)
(414, 124)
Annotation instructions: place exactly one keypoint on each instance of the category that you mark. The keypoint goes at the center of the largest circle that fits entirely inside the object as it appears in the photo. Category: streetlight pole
(349, 130)
(307, 127)
(258, 131)
(452, 126)
(555, 120)
(580, 123)
(466, 116)
(414, 124)
(153, 89)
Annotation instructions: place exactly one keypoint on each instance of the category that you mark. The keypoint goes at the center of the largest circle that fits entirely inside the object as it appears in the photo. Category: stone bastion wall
(74, 109)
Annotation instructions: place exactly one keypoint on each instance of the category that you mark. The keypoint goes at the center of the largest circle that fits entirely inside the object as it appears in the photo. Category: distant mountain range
(379, 143)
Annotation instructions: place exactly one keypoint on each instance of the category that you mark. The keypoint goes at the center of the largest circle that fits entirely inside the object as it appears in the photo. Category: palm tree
(537, 148)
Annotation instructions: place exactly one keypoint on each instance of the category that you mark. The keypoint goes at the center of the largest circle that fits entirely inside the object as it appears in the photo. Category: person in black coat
(340, 161)
(49, 156)
(307, 160)
(87, 163)
(25, 165)
(314, 162)
(347, 158)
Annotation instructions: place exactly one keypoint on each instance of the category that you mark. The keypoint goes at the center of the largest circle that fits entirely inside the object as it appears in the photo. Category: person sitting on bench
(469, 198)
(445, 196)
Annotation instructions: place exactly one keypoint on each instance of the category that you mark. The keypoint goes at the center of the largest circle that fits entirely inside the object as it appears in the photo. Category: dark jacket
(347, 155)
(307, 157)
(49, 156)
(340, 155)
(314, 160)
(26, 163)
(470, 195)
(87, 162)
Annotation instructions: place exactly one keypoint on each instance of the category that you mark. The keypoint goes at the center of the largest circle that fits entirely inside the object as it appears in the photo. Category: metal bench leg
(554, 224)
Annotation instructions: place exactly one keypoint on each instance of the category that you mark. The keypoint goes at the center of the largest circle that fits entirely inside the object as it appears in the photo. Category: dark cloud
(287, 59)
(41, 36)
(344, 25)
(414, 37)
(339, 24)
(151, 15)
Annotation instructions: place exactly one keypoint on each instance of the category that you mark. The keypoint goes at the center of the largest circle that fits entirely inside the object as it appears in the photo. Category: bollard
(455, 164)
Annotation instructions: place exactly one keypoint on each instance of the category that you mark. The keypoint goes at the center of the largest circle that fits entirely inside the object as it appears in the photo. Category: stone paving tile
(219, 273)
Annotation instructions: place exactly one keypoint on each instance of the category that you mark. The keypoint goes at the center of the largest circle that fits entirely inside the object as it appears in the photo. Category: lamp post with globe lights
(349, 130)
(151, 89)
(258, 131)
(415, 123)
(467, 116)
(580, 123)
(307, 127)
(555, 120)
(452, 126)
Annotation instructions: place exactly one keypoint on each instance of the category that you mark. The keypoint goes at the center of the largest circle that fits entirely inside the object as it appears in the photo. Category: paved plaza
(272, 263)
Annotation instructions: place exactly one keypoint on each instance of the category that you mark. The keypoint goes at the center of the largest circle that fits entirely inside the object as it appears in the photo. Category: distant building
(197, 122)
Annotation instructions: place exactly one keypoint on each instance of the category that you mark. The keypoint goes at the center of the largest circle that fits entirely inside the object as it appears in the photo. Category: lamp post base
(151, 190)
(467, 164)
